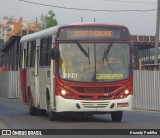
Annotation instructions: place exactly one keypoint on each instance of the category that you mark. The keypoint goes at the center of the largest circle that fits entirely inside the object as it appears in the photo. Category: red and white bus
(79, 68)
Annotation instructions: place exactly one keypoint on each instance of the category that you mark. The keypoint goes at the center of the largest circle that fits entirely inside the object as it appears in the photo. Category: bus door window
(65, 59)
(62, 66)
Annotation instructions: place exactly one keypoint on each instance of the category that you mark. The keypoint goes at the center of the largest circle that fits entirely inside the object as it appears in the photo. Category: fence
(9, 84)
(147, 90)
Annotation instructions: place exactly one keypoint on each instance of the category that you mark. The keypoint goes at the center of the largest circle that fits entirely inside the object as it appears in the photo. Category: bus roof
(53, 30)
(40, 34)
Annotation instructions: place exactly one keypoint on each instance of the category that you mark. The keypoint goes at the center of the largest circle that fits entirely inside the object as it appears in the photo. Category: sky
(138, 23)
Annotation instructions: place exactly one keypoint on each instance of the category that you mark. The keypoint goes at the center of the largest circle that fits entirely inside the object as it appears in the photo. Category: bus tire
(47, 99)
(41, 112)
(52, 116)
(117, 116)
(32, 110)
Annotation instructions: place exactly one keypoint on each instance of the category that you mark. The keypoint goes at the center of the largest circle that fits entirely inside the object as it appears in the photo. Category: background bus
(79, 68)
(9, 74)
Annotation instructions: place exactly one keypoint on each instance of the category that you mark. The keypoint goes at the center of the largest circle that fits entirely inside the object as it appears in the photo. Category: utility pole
(157, 33)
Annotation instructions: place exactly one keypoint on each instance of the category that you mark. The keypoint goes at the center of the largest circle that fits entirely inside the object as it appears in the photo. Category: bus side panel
(23, 85)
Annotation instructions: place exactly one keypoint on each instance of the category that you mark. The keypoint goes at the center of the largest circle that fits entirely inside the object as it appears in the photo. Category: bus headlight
(126, 91)
(123, 94)
(65, 94)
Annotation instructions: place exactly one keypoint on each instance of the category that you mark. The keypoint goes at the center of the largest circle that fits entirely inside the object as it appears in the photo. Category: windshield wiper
(82, 49)
(105, 55)
(106, 51)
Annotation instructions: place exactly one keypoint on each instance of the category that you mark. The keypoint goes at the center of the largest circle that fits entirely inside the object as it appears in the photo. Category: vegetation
(47, 21)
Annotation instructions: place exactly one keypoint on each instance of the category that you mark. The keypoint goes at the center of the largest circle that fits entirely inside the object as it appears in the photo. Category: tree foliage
(47, 21)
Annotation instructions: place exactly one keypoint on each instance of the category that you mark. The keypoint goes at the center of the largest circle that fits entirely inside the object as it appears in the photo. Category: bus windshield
(94, 62)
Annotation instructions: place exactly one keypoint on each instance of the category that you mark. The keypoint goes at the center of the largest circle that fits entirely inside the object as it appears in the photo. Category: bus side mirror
(54, 53)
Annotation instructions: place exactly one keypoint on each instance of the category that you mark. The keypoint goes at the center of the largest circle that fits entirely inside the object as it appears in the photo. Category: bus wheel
(41, 112)
(47, 100)
(117, 116)
(52, 115)
(32, 110)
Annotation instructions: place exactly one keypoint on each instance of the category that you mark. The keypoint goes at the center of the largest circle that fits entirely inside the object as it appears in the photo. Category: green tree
(47, 21)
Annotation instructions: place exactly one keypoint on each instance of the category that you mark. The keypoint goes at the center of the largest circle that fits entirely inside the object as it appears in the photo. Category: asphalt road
(14, 115)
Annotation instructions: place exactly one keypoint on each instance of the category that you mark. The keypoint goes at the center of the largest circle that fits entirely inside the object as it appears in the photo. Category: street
(14, 114)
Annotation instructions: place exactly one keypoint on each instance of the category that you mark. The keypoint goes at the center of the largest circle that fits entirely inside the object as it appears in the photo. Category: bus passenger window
(28, 55)
(33, 50)
(48, 51)
(45, 49)
(21, 55)
(42, 53)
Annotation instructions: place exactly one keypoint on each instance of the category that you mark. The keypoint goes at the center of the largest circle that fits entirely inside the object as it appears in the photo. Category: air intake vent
(96, 89)
(95, 104)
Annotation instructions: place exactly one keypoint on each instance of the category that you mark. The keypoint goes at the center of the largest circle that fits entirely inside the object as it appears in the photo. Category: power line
(79, 9)
(130, 1)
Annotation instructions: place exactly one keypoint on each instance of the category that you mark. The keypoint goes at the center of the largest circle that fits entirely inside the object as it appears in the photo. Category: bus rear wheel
(32, 110)
(52, 115)
(117, 116)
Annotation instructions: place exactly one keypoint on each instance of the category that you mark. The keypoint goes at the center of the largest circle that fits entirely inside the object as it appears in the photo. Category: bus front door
(37, 90)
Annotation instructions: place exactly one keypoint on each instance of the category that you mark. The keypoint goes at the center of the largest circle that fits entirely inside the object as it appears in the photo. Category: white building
(6, 27)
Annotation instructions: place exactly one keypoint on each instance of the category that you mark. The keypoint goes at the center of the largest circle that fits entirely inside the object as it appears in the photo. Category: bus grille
(96, 89)
(95, 104)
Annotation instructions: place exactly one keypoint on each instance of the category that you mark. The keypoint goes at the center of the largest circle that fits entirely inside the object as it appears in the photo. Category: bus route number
(70, 75)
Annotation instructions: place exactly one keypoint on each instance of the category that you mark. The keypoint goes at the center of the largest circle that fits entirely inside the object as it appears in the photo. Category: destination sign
(94, 33)
(97, 33)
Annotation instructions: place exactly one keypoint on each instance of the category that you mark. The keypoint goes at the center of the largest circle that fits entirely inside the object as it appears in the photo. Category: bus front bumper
(70, 105)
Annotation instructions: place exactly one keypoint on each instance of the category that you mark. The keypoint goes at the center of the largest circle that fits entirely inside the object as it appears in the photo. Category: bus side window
(41, 52)
(24, 58)
(32, 53)
(45, 51)
(21, 55)
(48, 51)
(28, 55)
